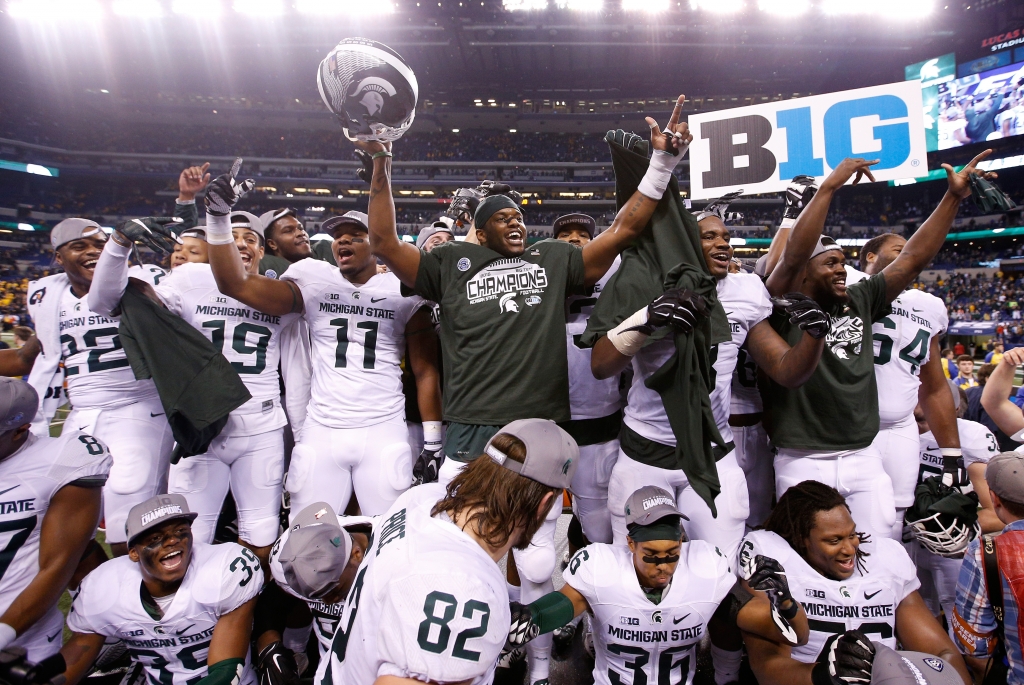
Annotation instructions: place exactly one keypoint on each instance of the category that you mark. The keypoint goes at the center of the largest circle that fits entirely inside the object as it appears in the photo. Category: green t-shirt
(274, 264)
(503, 329)
(837, 409)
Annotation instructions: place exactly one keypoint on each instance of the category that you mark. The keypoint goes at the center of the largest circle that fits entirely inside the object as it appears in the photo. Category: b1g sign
(761, 148)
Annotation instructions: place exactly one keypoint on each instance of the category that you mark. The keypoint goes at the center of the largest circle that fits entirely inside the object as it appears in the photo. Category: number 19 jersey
(635, 640)
(358, 336)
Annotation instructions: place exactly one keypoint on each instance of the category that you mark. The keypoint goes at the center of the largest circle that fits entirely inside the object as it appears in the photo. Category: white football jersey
(150, 273)
(172, 649)
(902, 345)
(427, 603)
(96, 368)
(589, 398)
(29, 479)
(746, 398)
(358, 335)
(866, 601)
(248, 338)
(977, 444)
(635, 640)
(747, 304)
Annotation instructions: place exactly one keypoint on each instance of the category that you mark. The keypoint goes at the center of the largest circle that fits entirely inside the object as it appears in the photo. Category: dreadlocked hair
(503, 500)
(793, 516)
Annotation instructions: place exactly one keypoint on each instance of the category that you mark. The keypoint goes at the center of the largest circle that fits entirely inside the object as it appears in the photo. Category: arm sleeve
(188, 212)
(109, 279)
(763, 308)
(429, 279)
(974, 623)
(83, 460)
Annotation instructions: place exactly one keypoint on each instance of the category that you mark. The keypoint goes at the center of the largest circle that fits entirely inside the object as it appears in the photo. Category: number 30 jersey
(866, 601)
(427, 603)
(902, 343)
(248, 338)
(173, 648)
(358, 336)
(29, 479)
(635, 640)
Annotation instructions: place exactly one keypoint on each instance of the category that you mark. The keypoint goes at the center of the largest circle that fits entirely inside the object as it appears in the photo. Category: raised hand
(192, 181)
(676, 137)
(224, 192)
(851, 166)
(959, 181)
(156, 233)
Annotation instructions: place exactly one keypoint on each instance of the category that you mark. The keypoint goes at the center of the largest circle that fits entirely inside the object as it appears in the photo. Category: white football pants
(754, 456)
(900, 447)
(590, 489)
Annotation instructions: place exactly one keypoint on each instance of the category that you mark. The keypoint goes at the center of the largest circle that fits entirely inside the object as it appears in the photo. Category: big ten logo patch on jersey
(393, 529)
(505, 280)
(846, 336)
(760, 148)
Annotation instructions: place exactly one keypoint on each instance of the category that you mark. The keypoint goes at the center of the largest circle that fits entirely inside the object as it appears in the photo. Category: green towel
(668, 255)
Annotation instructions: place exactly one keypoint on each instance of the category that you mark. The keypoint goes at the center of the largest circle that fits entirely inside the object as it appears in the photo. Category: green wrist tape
(224, 672)
(382, 153)
(551, 611)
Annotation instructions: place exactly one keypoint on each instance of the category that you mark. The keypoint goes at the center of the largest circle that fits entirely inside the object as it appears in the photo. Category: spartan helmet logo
(656, 616)
(507, 303)
(372, 90)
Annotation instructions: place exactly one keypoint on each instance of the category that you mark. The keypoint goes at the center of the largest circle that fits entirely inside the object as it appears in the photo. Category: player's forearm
(995, 398)
(937, 404)
(79, 654)
(756, 618)
(231, 634)
(795, 366)
(40, 595)
(772, 665)
(922, 247)
(599, 254)
(802, 239)
(110, 278)
(19, 362)
(777, 247)
(268, 295)
(606, 361)
(428, 394)
(401, 258)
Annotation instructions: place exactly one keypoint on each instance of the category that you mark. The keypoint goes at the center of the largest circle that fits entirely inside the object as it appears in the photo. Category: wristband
(432, 435)
(655, 181)
(7, 635)
(628, 343)
(951, 452)
(185, 202)
(218, 229)
(787, 223)
(551, 611)
(382, 153)
(790, 613)
(224, 672)
(117, 249)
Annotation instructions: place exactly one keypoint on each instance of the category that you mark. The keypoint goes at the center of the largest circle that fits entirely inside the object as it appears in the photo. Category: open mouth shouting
(515, 237)
(172, 560)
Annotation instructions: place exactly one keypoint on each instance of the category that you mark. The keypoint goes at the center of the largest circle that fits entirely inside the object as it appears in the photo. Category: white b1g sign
(759, 149)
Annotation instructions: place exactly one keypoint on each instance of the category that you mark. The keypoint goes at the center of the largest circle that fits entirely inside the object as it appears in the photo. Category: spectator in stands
(958, 349)
(996, 355)
(22, 335)
(948, 363)
(965, 371)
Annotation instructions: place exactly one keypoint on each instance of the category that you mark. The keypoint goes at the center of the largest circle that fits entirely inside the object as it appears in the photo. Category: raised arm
(995, 397)
(400, 257)
(797, 196)
(669, 147)
(788, 273)
(110, 277)
(19, 362)
(922, 247)
(788, 366)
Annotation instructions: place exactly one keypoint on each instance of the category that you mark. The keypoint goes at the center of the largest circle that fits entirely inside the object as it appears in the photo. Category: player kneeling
(183, 610)
(853, 599)
(654, 600)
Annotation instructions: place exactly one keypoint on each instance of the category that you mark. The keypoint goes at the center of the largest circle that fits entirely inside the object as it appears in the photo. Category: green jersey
(837, 409)
(503, 328)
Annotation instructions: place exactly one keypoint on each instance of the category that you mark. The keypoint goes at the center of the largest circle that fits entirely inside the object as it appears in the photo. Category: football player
(286, 236)
(849, 595)
(247, 456)
(908, 373)
(654, 598)
(183, 609)
(50, 509)
(192, 248)
(801, 421)
(647, 435)
(355, 436)
(428, 603)
(125, 414)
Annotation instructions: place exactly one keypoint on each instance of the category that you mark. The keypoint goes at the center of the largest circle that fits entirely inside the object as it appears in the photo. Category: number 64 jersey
(171, 647)
(635, 640)
(427, 603)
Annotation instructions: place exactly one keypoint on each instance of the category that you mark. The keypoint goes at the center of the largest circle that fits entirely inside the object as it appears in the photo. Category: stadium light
(78, 10)
(517, 5)
(198, 8)
(908, 9)
(143, 9)
(788, 8)
(260, 8)
(26, 227)
(648, 6)
(321, 7)
(717, 6)
(580, 5)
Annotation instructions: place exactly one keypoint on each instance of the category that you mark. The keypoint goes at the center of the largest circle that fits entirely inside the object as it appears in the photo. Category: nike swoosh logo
(9, 489)
(378, 299)
(54, 637)
(867, 596)
(179, 632)
(917, 310)
(676, 621)
(152, 414)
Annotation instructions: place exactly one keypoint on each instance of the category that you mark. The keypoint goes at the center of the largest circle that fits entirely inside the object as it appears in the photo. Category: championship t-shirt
(503, 328)
(837, 409)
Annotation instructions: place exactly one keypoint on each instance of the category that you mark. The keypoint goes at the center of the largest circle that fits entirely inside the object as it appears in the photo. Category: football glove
(844, 660)
(770, 578)
(988, 196)
(276, 665)
(365, 172)
(427, 466)
(798, 193)
(522, 629)
(156, 233)
(224, 192)
(954, 473)
(678, 308)
(630, 141)
(805, 313)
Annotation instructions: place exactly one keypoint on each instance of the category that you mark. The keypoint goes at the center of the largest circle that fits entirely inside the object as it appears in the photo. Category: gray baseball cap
(579, 219)
(910, 668)
(648, 504)
(551, 454)
(353, 217)
(18, 403)
(247, 220)
(311, 555)
(427, 231)
(73, 229)
(267, 218)
(825, 243)
(155, 512)
(1005, 476)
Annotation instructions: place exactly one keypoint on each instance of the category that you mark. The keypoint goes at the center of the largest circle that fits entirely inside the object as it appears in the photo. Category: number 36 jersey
(173, 648)
(866, 601)
(358, 336)
(635, 640)
(427, 603)
(248, 338)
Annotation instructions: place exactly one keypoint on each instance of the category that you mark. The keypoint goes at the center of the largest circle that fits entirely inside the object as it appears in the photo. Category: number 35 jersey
(866, 601)
(427, 603)
(358, 336)
(173, 648)
(635, 640)
(248, 338)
